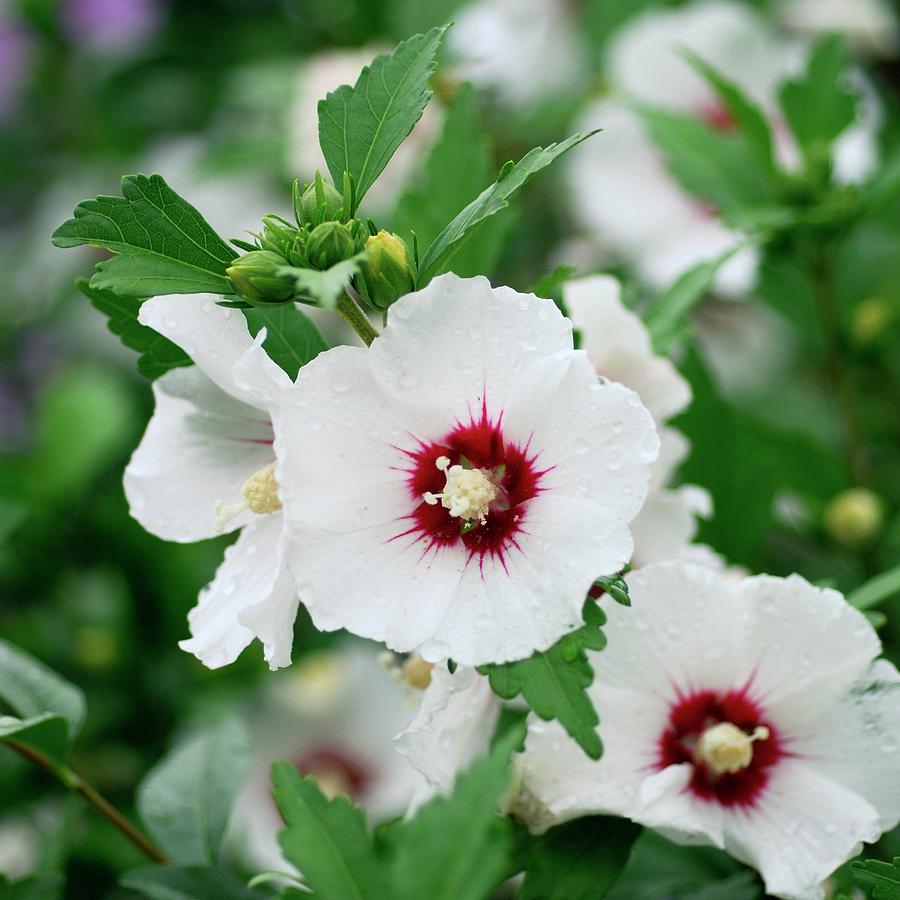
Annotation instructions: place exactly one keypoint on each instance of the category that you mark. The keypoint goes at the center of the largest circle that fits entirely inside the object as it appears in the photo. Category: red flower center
(699, 711)
(336, 770)
(478, 444)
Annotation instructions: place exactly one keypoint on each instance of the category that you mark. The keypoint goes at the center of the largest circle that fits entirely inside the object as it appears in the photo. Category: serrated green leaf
(878, 589)
(883, 877)
(817, 106)
(328, 840)
(30, 689)
(579, 860)
(324, 286)
(747, 115)
(457, 166)
(457, 847)
(665, 320)
(292, 339)
(37, 887)
(47, 733)
(492, 200)
(187, 883)
(186, 799)
(166, 245)
(157, 353)
(554, 682)
(360, 127)
(708, 164)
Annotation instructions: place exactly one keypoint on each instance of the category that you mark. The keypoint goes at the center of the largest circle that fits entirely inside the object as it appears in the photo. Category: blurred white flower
(526, 50)
(206, 465)
(471, 476)
(318, 76)
(749, 715)
(20, 845)
(871, 26)
(333, 715)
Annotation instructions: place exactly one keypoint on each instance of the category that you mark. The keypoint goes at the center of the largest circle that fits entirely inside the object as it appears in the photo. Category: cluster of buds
(324, 235)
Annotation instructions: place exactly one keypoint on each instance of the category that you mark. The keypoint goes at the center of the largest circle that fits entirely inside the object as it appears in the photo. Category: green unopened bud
(320, 202)
(329, 243)
(854, 516)
(873, 318)
(277, 236)
(386, 274)
(255, 275)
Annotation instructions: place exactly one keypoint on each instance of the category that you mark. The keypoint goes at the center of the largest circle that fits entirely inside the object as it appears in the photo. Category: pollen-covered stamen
(725, 749)
(468, 493)
(260, 493)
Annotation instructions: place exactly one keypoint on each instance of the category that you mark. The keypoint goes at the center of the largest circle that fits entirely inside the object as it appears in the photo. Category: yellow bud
(854, 516)
(872, 318)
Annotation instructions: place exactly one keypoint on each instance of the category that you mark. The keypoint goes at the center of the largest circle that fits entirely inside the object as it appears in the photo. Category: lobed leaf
(882, 877)
(360, 127)
(187, 883)
(324, 286)
(46, 733)
(292, 339)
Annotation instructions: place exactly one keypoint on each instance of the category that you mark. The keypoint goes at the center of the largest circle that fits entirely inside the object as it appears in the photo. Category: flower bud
(329, 243)
(255, 275)
(320, 202)
(854, 516)
(387, 273)
(873, 318)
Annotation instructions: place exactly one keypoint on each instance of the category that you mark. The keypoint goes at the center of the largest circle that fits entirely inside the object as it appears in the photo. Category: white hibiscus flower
(456, 488)
(618, 345)
(746, 714)
(621, 190)
(333, 716)
(205, 465)
(871, 26)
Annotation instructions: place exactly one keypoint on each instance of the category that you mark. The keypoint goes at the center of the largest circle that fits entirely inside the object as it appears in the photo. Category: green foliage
(292, 339)
(718, 167)
(326, 286)
(187, 883)
(554, 682)
(457, 166)
(817, 105)
(166, 246)
(157, 353)
(360, 127)
(617, 588)
(37, 887)
(579, 860)
(882, 877)
(665, 319)
(492, 200)
(185, 800)
(456, 847)
(878, 589)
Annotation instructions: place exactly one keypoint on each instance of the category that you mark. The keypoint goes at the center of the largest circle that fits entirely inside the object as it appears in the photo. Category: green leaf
(457, 847)
(554, 682)
(157, 353)
(665, 320)
(47, 733)
(817, 105)
(882, 877)
(360, 127)
(457, 166)
(749, 118)
(185, 800)
(492, 200)
(36, 887)
(292, 339)
(580, 860)
(876, 590)
(187, 883)
(717, 167)
(30, 689)
(324, 286)
(328, 840)
(167, 247)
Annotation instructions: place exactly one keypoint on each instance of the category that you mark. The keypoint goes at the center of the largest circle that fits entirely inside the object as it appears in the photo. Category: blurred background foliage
(207, 94)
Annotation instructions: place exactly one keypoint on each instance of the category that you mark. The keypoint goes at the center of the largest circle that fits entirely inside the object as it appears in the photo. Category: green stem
(835, 369)
(75, 782)
(352, 313)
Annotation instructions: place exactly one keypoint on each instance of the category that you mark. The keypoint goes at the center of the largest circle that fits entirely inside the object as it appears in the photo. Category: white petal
(252, 577)
(213, 336)
(673, 450)
(667, 523)
(453, 726)
(618, 345)
(200, 446)
(802, 829)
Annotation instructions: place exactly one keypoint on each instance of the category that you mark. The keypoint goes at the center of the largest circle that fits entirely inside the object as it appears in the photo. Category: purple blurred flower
(15, 57)
(112, 26)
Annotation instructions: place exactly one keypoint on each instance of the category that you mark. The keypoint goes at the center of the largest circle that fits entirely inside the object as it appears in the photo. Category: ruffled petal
(667, 524)
(200, 446)
(252, 579)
